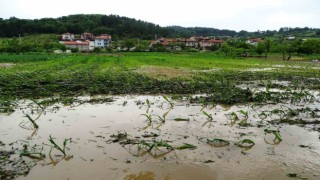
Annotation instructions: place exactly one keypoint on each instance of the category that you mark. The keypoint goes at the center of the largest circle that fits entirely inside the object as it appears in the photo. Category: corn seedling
(244, 113)
(119, 137)
(209, 116)
(33, 153)
(148, 103)
(149, 118)
(181, 119)
(163, 118)
(154, 145)
(246, 143)
(276, 134)
(167, 99)
(186, 146)
(34, 124)
(61, 149)
(278, 112)
(233, 116)
(217, 142)
(7, 106)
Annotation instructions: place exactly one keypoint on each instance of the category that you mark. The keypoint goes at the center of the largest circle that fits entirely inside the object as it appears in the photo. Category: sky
(249, 15)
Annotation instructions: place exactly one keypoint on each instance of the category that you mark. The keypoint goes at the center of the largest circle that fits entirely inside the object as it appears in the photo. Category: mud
(93, 153)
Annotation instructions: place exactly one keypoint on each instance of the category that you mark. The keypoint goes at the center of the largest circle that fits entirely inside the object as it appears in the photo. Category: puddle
(94, 154)
(163, 72)
(259, 69)
(6, 65)
(206, 70)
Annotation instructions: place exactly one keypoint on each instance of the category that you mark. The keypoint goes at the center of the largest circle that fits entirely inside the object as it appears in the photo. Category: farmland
(158, 115)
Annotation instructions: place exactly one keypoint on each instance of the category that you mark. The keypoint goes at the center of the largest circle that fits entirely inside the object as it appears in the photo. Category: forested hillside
(124, 27)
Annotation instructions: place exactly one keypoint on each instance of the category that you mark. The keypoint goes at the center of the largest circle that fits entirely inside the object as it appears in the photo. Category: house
(81, 46)
(102, 41)
(187, 42)
(162, 41)
(291, 37)
(254, 41)
(207, 43)
(87, 36)
(67, 37)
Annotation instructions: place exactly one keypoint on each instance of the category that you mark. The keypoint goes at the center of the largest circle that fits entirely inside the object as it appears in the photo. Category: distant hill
(120, 27)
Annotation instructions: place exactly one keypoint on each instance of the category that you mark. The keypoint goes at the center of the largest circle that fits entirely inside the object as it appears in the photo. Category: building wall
(101, 43)
(78, 46)
(67, 36)
(91, 45)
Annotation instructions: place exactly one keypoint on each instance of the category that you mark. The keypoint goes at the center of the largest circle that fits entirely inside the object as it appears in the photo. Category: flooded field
(159, 137)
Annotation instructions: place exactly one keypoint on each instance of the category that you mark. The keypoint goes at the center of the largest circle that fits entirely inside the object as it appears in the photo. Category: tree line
(124, 27)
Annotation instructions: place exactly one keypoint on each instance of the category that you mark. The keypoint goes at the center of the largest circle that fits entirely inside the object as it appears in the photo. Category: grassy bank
(42, 75)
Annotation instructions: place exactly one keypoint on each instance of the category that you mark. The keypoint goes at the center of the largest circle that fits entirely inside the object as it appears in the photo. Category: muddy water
(91, 154)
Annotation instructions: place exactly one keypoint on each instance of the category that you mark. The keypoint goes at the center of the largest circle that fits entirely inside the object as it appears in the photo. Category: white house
(254, 41)
(91, 45)
(291, 37)
(206, 44)
(102, 41)
(67, 37)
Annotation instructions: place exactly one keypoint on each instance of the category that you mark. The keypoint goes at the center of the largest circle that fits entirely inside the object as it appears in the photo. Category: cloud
(286, 19)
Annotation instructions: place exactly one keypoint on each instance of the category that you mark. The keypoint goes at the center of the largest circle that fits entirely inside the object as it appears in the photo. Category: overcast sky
(250, 15)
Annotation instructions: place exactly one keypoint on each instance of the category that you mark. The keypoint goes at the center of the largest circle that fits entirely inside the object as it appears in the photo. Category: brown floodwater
(91, 154)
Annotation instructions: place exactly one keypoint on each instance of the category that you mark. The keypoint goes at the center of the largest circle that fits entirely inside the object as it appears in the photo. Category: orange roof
(102, 37)
(185, 40)
(256, 40)
(213, 41)
(75, 43)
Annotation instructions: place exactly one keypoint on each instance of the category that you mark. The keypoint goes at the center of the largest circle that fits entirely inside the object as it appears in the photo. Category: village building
(86, 42)
(291, 37)
(81, 46)
(188, 42)
(102, 41)
(67, 37)
(207, 43)
(87, 36)
(162, 41)
(254, 41)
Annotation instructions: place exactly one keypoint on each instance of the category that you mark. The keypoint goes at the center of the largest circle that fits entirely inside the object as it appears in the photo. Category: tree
(225, 48)
(260, 48)
(311, 46)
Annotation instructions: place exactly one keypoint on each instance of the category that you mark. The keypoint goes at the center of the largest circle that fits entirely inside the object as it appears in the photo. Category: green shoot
(186, 146)
(246, 143)
(35, 125)
(209, 116)
(148, 103)
(149, 118)
(276, 134)
(217, 142)
(170, 102)
(181, 119)
(63, 149)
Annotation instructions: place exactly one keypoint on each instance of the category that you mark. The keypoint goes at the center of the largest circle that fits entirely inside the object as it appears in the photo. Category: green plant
(35, 125)
(61, 149)
(33, 152)
(186, 146)
(276, 134)
(149, 117)
(154, 145)
(218, 142)
(167, 99)
(209, 116)
(246, 143)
